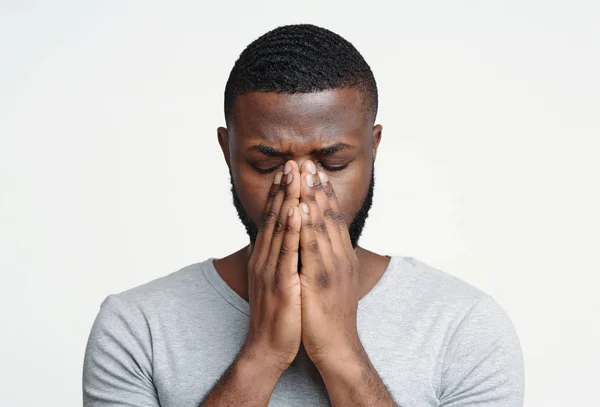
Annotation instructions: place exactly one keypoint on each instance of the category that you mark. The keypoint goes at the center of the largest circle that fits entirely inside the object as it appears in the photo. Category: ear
(376, 139)
(223, 137)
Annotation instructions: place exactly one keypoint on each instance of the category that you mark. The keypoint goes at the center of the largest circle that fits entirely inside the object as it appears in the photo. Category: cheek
(350, 196)
(346, 198)
(253, 191)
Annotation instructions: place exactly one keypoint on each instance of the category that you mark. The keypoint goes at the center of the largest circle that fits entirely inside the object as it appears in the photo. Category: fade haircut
(300, 58)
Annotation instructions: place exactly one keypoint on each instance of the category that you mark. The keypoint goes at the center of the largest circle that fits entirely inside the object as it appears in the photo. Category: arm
(483, 365)
(117, 367)
(330, 294)
(249, 381)
(274, 297)
(355, 382)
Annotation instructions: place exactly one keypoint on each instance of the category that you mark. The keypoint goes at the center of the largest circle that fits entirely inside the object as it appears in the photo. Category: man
(302, 316)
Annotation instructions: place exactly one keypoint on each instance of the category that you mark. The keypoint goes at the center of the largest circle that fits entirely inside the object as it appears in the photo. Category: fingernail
(289, 178)
(291, 211)
(304, 207)
(287, 168)
(311, 167)
(323, 178)
(309, 180)
(278, 178)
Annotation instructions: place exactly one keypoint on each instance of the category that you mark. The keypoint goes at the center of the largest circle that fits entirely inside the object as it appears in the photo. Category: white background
(111, 174)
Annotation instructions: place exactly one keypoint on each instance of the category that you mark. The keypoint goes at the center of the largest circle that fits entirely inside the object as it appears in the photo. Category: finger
(291, 198)
(330, 216)
(287, 261)
(312, 265)
(336, 215)
(267, 221)
(307, 195)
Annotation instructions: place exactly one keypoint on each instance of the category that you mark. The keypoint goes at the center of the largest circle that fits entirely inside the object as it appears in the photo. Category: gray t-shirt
(434, 339)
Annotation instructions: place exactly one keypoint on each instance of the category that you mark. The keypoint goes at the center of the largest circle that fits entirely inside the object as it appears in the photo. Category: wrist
(341, 372)
(350, 364)
(263, 363)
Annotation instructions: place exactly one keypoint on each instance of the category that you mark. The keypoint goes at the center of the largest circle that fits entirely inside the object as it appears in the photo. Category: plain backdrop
(111, 174)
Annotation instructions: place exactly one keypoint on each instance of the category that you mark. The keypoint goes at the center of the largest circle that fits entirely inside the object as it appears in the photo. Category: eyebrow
(329, 150)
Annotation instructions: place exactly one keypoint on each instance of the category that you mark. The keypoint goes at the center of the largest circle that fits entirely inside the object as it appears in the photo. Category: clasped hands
(316, 305)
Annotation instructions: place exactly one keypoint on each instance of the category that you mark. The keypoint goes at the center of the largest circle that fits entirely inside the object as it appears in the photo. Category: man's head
(301, 92)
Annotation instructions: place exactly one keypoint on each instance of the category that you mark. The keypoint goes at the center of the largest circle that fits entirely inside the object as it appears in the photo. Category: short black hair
(300, 58)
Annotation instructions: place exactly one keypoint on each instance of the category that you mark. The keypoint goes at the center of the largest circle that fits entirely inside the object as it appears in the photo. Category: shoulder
(160, 293)
(119, 355)
(453, 303)
(435, 286)
(482, 356)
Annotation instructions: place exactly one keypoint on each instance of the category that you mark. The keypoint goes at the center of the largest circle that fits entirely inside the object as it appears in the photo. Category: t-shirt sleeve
(117, 367)
(483, 365)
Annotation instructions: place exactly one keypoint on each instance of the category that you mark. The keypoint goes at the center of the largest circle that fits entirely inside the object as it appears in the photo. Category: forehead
(276, 117)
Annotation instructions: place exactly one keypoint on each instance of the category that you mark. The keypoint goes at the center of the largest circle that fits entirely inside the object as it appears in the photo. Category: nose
(301, 161)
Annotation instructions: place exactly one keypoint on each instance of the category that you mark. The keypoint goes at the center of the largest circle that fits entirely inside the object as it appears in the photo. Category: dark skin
(297, 124)
(320, 298)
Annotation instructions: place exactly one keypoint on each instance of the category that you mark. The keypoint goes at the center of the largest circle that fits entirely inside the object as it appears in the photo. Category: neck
(234, 269)
(241, 257)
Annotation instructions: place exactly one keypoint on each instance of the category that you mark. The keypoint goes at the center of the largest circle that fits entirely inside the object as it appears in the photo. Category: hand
(328, 275)
(273, 280)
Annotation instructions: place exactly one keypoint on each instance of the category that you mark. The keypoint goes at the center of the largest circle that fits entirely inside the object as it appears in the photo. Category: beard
(355, 229)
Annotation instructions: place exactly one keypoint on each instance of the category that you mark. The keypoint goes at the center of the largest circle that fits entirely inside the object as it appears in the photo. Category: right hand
(275, 330)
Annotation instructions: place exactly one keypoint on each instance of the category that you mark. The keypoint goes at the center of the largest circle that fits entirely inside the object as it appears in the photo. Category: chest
(187, 363)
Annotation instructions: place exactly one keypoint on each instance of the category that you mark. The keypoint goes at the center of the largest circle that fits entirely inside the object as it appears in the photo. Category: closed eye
(328, 168)
(266, 170)
(325, 167)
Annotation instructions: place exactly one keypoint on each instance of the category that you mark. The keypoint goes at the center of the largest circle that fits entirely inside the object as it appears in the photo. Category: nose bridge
(300, 152)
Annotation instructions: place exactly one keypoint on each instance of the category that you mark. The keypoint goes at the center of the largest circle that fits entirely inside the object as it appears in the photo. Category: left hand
(328, 276)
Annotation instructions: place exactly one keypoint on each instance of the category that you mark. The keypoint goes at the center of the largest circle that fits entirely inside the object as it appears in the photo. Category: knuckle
(330, 214)
(308, 224)
(283, 253)
(287, 250)
(329, 192)
(289, 229)
(268, 216)
(310, 197)
(273, 192)
(279, 226)
(323, 279)
(320, 227)
(312, 246)
(287, 196)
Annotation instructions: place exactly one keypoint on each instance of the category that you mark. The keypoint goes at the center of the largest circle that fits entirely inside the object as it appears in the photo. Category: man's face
(331, 128)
